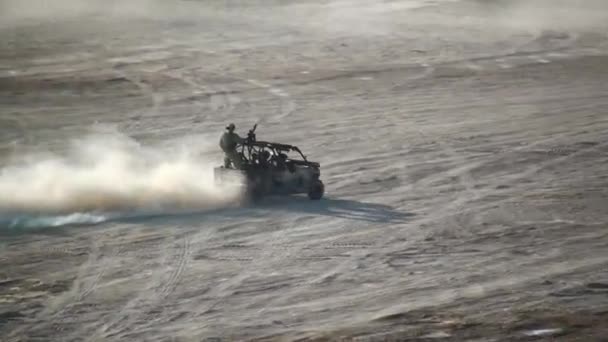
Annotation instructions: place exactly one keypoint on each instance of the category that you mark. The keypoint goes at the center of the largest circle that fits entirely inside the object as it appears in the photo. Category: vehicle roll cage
(251, 146)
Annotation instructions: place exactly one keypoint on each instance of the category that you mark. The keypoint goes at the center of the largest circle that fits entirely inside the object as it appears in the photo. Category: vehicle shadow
(341, 208)
(337, 208)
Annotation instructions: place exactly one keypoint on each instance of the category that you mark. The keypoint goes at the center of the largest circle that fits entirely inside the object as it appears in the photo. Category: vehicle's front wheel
(317, 189)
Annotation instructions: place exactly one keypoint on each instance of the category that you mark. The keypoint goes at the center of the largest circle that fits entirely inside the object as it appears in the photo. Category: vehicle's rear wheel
(317, 189)
(256, 195)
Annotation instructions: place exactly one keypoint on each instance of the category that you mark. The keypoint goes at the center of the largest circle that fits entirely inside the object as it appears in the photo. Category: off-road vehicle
(268, 168)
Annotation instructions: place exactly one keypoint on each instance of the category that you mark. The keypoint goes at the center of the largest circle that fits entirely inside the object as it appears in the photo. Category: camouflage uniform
(228, 143)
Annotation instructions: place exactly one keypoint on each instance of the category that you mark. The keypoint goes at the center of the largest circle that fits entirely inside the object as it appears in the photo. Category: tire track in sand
(142, 306)
(196, 90)
(146, 90)
(154, 313)
(222, 100)
(269, 260)
(448, 210)
(456, 206)
(140, 311)
(20, 132)
(459, 205)
(469, 193)
(54, 317)
(286, 104)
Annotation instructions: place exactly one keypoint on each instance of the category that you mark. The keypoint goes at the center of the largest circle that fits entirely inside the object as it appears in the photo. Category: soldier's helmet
(230, 127)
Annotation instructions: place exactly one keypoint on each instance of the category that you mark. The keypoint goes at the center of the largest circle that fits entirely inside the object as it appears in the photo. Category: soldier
(228, 143)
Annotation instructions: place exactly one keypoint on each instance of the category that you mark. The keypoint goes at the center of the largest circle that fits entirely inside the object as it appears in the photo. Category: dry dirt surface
(463, 145)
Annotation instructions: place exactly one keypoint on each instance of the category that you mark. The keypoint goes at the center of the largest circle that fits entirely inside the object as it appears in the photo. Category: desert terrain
(463, 147)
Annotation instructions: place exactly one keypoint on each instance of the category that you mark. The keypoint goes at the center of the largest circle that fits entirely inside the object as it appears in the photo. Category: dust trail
(109, 173)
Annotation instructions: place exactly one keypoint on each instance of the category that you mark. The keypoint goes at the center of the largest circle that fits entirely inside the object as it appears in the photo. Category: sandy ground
(462, 144)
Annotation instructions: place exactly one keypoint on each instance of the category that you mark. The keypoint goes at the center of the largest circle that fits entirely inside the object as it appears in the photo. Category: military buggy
(268, 168)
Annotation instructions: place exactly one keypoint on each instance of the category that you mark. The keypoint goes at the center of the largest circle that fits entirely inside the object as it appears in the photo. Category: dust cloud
(16, 11)
(109, 172)
(587, 15)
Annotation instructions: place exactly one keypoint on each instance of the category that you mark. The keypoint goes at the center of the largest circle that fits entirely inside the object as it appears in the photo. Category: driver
(228, 143)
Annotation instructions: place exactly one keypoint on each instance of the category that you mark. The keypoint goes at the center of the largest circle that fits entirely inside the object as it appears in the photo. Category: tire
(317, 190)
